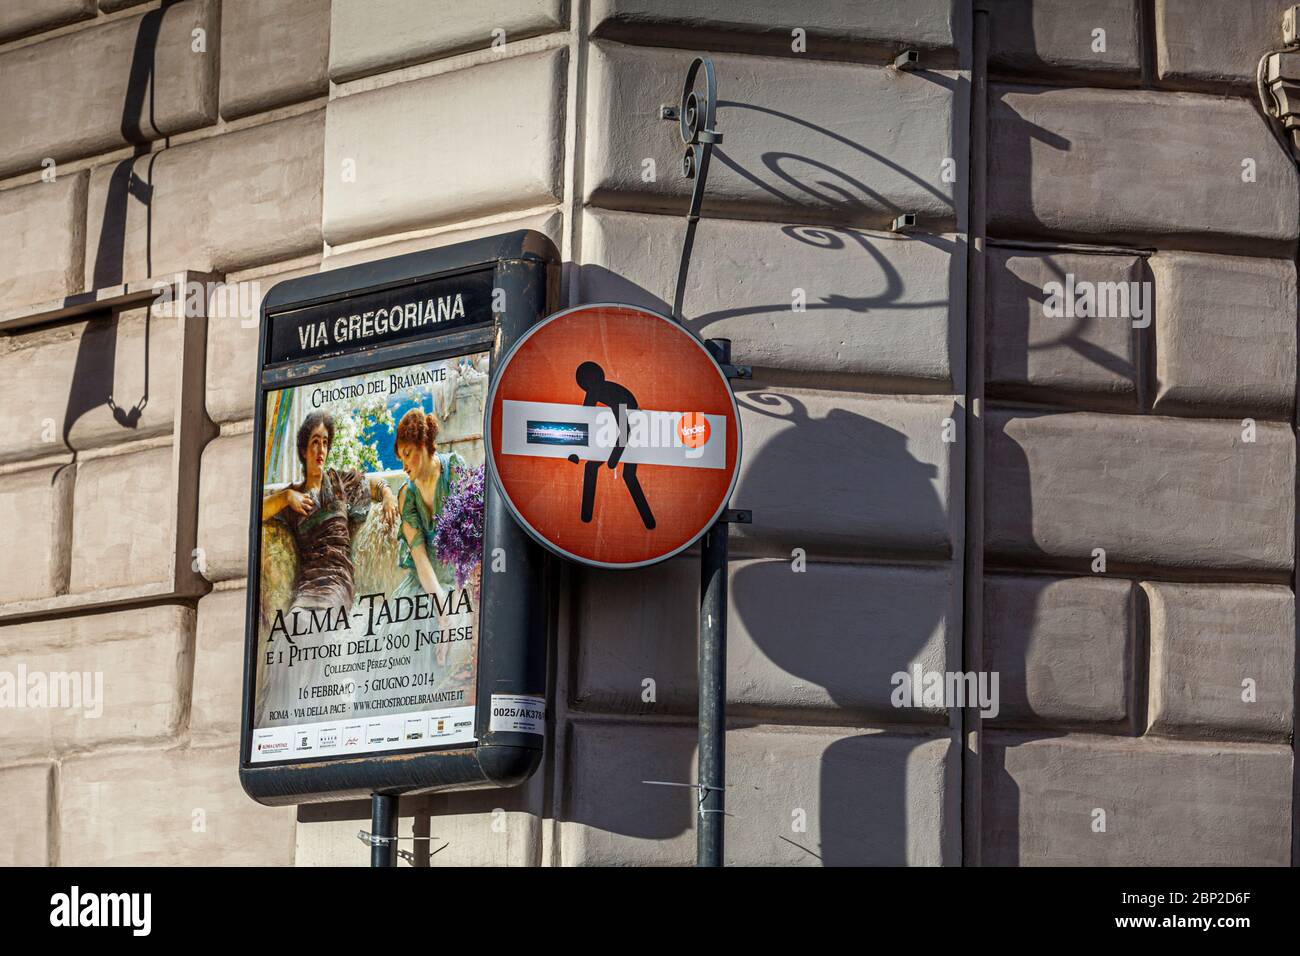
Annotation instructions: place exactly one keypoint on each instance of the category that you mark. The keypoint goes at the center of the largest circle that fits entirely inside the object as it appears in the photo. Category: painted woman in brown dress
(323, 512)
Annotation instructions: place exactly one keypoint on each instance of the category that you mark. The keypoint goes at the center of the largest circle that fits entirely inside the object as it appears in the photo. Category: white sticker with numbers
(518, 714)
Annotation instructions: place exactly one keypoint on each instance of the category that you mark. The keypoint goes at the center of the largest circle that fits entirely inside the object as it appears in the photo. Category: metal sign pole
(713, 676)
(697, 123)
(383, 830)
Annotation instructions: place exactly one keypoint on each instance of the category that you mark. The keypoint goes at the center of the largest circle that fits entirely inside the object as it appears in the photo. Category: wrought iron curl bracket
(697, 123)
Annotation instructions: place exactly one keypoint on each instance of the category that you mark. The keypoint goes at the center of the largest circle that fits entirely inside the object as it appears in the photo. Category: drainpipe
(973, 556)
(1277, 80)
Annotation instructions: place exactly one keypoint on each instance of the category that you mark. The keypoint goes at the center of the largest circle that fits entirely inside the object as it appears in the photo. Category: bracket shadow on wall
(368, 669)
(92, 422)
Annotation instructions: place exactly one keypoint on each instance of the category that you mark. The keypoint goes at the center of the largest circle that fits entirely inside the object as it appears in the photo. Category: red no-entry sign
(613, 435)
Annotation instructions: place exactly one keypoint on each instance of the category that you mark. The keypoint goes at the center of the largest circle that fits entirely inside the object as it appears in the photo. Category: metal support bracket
(907, 60)
(904, 223)
(1279, 90)
(697, 122)
(704, 791)
(737, 371)
(371, 840)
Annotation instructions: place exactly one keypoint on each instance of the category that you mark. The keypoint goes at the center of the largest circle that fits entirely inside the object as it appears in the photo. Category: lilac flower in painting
(459, 538)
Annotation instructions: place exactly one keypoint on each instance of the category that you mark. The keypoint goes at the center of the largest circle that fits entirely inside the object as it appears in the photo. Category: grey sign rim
(505, 495)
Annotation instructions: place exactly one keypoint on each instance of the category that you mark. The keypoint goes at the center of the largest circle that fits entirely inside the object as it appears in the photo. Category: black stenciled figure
(591, 379)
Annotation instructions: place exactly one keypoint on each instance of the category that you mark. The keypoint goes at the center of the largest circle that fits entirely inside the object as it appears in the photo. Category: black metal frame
(514, 610)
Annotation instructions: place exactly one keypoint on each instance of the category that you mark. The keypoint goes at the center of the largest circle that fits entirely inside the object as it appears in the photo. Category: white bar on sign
(556, 430)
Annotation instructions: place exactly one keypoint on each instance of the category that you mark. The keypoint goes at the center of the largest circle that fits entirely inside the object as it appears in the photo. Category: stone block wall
(1138, 482)
(139, 146)
(918, 504)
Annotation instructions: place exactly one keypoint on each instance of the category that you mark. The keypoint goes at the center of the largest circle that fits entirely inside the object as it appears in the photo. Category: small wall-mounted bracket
(704, 791)
(907, 60)
(372, 840)
(1284, 83)
(1281, 91)
(1291, 26)
(904, 223)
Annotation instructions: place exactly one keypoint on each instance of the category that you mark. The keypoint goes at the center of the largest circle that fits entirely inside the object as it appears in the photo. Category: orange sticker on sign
(693, 429)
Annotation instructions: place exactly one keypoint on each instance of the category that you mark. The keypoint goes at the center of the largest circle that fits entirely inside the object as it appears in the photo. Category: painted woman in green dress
(429, 477)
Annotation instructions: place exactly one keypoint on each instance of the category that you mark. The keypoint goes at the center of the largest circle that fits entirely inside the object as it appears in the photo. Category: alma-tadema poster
(371, 543)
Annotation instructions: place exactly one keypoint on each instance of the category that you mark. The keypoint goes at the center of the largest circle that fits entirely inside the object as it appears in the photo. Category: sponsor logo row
(393, 732)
